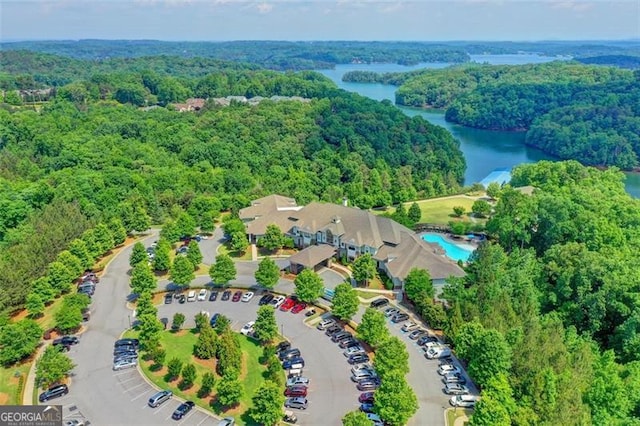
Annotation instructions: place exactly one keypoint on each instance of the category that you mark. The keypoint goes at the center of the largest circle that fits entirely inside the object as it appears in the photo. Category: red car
(288, 304)
(366, 397)
(294, 391)
(236, 296)
(299, 307)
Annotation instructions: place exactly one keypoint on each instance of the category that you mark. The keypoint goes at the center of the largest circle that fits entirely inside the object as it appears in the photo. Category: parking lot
(331, 392)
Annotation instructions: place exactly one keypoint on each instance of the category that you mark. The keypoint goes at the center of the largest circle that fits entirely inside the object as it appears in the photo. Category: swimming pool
(452, 250)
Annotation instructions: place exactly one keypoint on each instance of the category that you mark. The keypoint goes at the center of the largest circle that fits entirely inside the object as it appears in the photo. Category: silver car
(298, 402)
(125, 363)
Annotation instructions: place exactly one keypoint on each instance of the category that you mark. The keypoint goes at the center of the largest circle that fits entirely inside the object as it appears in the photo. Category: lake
(483, 150)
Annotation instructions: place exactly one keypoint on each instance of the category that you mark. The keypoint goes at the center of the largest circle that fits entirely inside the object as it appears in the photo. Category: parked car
(325, 323)
(466, 401)
(227, 421)
(379, 303)
(288, 303)
(353, 350)
(213, 296)
(125, 363)
(422, 340)
(67, 340)
(125, 358)
(297, 380)
(214, 319)
(265, 299)
(366, 407)
(182, 250)
(455, 389)
(182, 410)
(159, 398)
(237, 296)
(277, 301)
(341, 335)
(333, 329)
(74, 422)
(127, 342)
(289, 353)
(375, 419)
(295, 362)
(409, 326)
(349, 343)
(191, 296)
(391, 311)
(438, 352)
(366, 397)
(362, 366)
(299, 403)
(358, 358)
(297, 390)
(399, 317)
(454, 378)
(364, 374)
(289, 417)
(446, 369)
(368, 385)
(298, 307)
(415, 334)
(168, 298)
(247, 296)
(283, 346)
(54, 391)
(311, 312)
(226, 295)
(182, 299)
(121, 350)
(248, 328)
(202, 295)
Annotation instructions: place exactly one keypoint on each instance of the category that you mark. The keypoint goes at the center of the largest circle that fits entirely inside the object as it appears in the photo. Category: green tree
(144, 304)
(345, 301)
(356, 418)
(185, 225)
(178, 321)
(206, 345)
(467, 338)
(34, 305)
(414, 213)
(104, 239)
(73, 263)
(159, 355)
(267, 404)
(489, 412)
(53, 366)
(223, 324)
(274, 370)
(174, 367)
(232, 225)
(42, 287)
(266, 328)
(391, 356)
(60, 277)
(18, 340)
(239, 241)
(138, 254)
(364, 269)
(268, 273)
(272, 239)
(189, 375)
(149, 328)
(230, 390)
(223, 271)
(142, 279)
(491, 355)
(417, 283)
(229, 353)
(182, 271)
(207, 222)
(79, 249)
(373, 328)
(607, 396)
(89, 238)
(170, 232)
(134, 216)
(493, 190)
(458, 211)
(208, 381)
(68, 318)
(481, 208)
(193, 254)
(162, 258)
(309, 285)
(118, 231)
(201, 320)
(395, 401)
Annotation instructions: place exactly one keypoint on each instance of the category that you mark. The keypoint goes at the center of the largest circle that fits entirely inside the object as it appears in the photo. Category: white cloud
(264, 7)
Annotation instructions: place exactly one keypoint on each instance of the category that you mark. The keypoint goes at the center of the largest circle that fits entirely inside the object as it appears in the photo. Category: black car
(379, 303)
(347, 343)
(264, 300)
(168, 298)
(358, 358)
(127, 342)
(125, 350)
(368, 385)
(340, 336)
(289, 354)
(182, 410)
(55, 391)
(213, 296)
(287, 363)
(333, 330)
(423, 340)
(124, 357)
(182, 299)
(283, 346)
(226, 295)
(67, 340)
(214, 319)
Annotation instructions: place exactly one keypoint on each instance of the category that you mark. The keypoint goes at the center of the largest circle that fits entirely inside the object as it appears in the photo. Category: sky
(221, 20)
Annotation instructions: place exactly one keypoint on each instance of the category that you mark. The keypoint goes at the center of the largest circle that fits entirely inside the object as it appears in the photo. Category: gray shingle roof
(312, 255)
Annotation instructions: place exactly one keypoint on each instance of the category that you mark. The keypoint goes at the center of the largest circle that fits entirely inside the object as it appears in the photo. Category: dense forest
(572, 111)
(548, 316)
(94, 153)
(276, 55)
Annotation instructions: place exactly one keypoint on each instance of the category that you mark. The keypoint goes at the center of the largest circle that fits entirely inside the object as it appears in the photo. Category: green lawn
(237, 255)
(181, 346)
(9, 379)
(367, 294)
(453, 414)
(438, 210)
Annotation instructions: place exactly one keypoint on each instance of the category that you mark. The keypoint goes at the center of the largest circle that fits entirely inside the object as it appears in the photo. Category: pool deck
(471, 246)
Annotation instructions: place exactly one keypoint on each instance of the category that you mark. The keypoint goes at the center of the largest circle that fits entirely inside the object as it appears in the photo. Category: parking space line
(162, 407)
(188, 416)
(142, 394)
(142, 383)
(121, 373)
(203, 420)
(128, 380)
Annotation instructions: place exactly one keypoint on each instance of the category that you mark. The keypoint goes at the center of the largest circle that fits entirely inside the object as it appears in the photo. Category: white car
(247, 296)
(409, 326)
(297, 380)
(124, 364)
(448, 369)
(202, 295)
(359, 367)
(325, 323)
(248, 328)
(277, 301)
(191, 296)
(353, 350)
(467, 401)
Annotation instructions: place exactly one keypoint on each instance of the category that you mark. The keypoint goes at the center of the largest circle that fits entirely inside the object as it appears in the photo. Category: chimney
(345, 201)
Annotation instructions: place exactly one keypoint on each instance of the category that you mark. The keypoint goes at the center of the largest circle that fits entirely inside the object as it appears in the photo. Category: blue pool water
(453, 251)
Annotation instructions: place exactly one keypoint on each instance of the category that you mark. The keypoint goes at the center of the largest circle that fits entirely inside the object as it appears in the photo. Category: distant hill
(622, 61)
